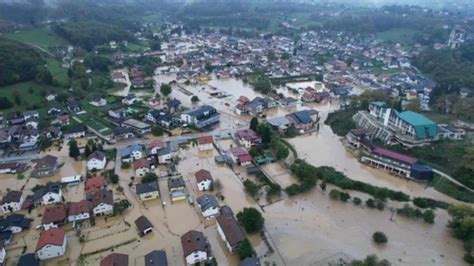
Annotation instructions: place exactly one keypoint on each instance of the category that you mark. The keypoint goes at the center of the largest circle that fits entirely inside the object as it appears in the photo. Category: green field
(137, 47)
(59, 73)
(448, 188)
(402, 36)
(97, 123)
(30, 95)
(42, 37)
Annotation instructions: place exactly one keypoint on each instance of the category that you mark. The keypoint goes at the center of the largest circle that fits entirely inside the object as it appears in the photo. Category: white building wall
(103, 209)
(204, 185)
(51, 251)
(195, 257)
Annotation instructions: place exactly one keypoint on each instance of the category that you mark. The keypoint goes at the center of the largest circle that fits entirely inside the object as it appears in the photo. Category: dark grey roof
(207, 201)
(28, 260)
(147, 187)
(175, 182)
(156, 258)
(143, 223)
(250, 261)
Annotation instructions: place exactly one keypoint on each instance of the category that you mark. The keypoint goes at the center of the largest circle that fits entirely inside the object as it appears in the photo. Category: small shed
(144, 225)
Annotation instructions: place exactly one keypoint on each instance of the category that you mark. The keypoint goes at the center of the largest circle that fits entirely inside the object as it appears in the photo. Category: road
(450, 178)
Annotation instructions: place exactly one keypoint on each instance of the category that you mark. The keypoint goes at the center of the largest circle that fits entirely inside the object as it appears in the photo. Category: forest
(18, 62)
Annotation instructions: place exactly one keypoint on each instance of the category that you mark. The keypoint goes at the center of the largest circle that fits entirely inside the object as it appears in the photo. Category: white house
(229, 229)
(12, 202)
(129, 99)
(96, 161)
(78, 211)
(50, 194)
(102, 202)
(141, 167)
(155, 146)
(205, 143)
(203, 179)
(196, 248)
(148, 191)
(131, 153)
(164, 155)
(98, 101)
(51, 244)
(208, 206)
(3, 253)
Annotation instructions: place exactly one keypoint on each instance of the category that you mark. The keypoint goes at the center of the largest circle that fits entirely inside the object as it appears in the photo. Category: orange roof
(156, 144)
(94, 184)
(205, 139)
(53, 236)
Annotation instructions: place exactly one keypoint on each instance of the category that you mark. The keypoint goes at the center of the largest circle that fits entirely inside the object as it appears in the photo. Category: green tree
(208, 66)
(263, 84)
(254, 124)
(5, 103)
(251, 188)
(429, 216)
(73, 149)
(43, 76)
(87, 151)
(16, 97)
(265, 133)
(357, 201)
(155, 45)
(165, 89)
(157, 131)
(251, 220)
(149, 177)
(281, 150)
(379, 237)
(194, 99)
(334, 194)
(245, 250)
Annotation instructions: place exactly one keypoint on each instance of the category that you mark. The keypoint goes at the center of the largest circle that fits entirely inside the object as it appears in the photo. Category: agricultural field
(58, 72)
(399, 35)
(30, 96)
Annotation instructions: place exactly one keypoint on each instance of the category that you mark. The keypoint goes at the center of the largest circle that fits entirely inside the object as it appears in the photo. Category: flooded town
(173, 143)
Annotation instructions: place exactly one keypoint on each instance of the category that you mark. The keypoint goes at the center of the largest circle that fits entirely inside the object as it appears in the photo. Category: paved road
(450, 178)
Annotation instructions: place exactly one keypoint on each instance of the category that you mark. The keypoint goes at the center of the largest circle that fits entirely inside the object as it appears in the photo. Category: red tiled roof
(205, 139)
(246, 134)
(245, 158)
(202, 175)
(141, 163)
(54, 214)
(75, 208)
(115, 259)
(53, 236)
(156, 143)
(238, 151)
(94, 184)
(394, 155)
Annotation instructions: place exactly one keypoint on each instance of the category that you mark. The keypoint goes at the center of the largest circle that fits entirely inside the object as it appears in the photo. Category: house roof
(125, 151)
(102, 196)
(194, 241)
(147, 187)
(245, 158)
(141, 163)
(424, 127)
(52, 236)
(394, 155)
(246, 134)
(75, 208)
(28, 260)
(46, 161)
(99, 155)
(156, 144)
(94, 184)
(115, 259)
(232, 231)
(55, 214)
(250, 261)
(156, 258)
(205, 140)
(238, 151)
(143, 223)
(17, 220)
(202, 175)
(175, 182)
(12, 196)
(207, 201)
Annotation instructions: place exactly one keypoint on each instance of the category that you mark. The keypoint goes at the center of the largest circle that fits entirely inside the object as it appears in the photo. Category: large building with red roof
(52, 243)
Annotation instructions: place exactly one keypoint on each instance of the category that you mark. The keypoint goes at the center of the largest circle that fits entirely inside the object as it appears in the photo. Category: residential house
(229, 229)
(148, 191)
(156, 258)
(141, 167)
(118, 113)
(129, 99)
(14, 223)
(78, 211)
(247, 138)
(355, 136)
(144, 225)
(52, 243)
(176, 183)
(160, 117)
(287, 102)
(75, 132)
(303, 120)
(46, 166)
(12, 168)
(164, 155)
(94, 184)
(115, 259)
(131, 153)
(73, 105)
(123, 133)
(12, 201)
(196, 248)
(29, 259)
(240, 155)
(61, 120)
(54, 216)
(53, 133)
(205, 143)
(98, 101)
(155, 146)
(203, 179)
(201, 117)
(173, 105)
(208, 206)
(137, 126)
(96, 161)
(102, 202)
(250, 261)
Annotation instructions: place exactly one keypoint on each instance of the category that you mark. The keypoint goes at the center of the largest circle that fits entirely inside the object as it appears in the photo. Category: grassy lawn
(42, 37)
(447, 187)
(30, 94)
(97, 123)
(59, 73)
(401, 35)
(137, 47)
